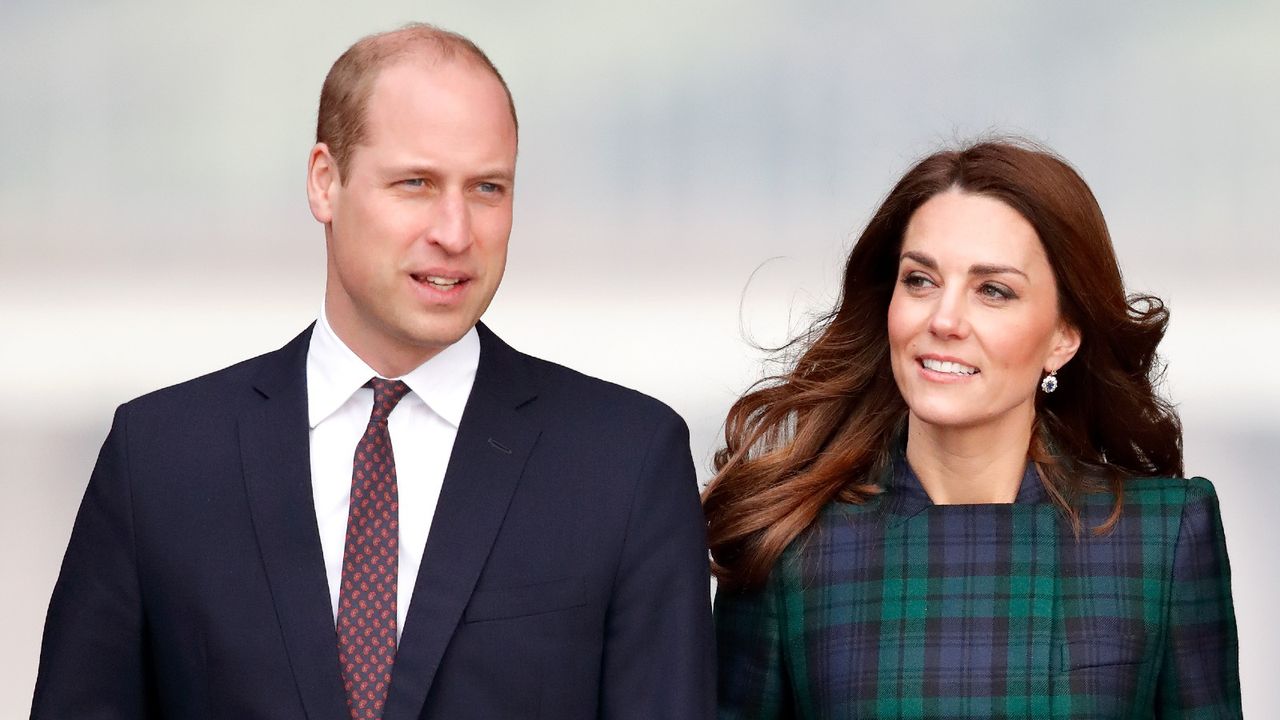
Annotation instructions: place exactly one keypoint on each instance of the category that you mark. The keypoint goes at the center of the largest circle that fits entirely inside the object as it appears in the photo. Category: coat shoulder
(1152, 507)
(228, 390)
(1169, 491)
(574, 395)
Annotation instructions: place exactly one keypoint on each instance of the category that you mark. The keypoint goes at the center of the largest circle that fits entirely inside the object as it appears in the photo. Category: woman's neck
(967, 466)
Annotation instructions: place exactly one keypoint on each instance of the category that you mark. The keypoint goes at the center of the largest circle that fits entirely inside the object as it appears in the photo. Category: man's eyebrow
(496, 174)
(981, 269)
(429, 171)
(412, 169)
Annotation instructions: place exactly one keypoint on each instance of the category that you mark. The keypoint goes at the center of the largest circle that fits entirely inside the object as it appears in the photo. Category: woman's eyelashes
(917, 281)
(997, 291)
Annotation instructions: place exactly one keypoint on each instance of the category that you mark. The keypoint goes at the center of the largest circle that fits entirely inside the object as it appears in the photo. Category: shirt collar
(335, 372)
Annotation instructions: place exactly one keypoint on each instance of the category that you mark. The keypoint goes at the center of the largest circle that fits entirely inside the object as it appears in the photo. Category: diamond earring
(1050, 382)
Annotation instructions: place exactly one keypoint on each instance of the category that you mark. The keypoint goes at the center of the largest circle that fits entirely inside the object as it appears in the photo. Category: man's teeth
(440, 281)
(948, 367)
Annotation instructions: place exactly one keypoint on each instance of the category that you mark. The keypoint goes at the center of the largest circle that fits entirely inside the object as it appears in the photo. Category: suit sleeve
(659, 654)
(93, 658)
(1199, 674)
(749, 636)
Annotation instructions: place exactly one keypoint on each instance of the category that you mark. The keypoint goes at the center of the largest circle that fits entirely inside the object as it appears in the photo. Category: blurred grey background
(153, 224)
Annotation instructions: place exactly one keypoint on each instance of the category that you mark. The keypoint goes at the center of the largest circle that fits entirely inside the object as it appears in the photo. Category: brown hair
(340, 122)
(824, 430)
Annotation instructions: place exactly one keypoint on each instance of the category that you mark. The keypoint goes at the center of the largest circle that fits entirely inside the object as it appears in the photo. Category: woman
(965, 500)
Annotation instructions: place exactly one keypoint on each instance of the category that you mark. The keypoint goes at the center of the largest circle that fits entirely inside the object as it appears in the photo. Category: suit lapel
(275, 451)
(488, 457)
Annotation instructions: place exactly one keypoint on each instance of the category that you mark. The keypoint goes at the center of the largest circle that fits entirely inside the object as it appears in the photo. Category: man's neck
(388, 360)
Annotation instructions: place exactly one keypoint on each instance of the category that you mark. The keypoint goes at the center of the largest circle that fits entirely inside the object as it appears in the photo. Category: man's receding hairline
(419, 41)
(390, 49)
(422, 42)
(427, 61)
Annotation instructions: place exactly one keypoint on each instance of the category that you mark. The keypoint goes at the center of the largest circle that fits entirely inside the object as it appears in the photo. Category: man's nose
(451, 226)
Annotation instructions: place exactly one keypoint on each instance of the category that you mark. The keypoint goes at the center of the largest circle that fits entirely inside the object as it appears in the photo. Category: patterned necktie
(367, 599)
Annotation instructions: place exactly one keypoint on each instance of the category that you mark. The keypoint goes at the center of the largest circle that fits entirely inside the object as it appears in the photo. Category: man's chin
(438, 336)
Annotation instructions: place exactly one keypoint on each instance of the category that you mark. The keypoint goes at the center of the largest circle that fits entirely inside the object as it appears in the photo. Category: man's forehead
(444, 111)
(428, 77)
(427, 65)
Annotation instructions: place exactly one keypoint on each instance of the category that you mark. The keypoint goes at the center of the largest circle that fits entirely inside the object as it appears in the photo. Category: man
(512, 539)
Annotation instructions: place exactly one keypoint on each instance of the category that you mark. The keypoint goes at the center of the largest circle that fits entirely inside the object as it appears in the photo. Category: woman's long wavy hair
(824, 430)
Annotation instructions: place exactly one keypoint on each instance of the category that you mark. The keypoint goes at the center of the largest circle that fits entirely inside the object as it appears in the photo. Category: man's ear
(322, 180)
(1065, 344)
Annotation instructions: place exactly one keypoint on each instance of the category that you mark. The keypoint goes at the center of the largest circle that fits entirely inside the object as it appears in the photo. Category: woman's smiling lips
(939, 368)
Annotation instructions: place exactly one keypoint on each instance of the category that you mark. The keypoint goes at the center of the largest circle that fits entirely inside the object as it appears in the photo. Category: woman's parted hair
(823, 430)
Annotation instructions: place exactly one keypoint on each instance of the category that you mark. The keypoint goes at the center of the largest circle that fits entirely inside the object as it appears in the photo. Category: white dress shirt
(422, 427)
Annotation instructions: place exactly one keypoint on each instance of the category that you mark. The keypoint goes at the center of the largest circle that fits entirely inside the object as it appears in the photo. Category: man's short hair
(344, 99)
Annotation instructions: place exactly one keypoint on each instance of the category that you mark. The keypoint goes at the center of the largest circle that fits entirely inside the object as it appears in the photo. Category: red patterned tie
(367, 599)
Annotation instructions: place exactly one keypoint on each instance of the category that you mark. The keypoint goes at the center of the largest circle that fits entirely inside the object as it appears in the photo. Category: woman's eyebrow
(921, 258)
(981, 269)
(985, 269)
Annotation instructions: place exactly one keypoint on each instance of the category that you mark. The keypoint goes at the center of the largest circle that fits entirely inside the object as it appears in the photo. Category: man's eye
(489, 188)
(413, 182)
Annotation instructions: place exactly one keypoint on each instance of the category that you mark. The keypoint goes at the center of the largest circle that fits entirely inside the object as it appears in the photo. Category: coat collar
(275, 454)
(904, 495)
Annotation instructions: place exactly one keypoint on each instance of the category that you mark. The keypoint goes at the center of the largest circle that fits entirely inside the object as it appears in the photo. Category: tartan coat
(899, 608)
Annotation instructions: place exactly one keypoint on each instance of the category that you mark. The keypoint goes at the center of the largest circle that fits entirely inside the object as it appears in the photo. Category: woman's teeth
(944, 366)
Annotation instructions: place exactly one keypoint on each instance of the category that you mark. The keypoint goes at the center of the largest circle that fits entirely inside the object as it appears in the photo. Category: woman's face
(973, 323)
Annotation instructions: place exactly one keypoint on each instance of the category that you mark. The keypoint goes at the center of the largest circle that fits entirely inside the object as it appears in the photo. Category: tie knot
(386, 394)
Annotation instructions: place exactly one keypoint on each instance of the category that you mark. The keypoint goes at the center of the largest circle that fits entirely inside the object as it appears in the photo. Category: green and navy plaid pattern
(904, 609)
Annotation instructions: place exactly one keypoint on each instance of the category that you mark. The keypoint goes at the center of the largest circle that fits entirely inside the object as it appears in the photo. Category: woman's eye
(916, 280)
(996, 291)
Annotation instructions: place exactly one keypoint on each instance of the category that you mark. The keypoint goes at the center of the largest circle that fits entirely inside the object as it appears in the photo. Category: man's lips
(439, 280)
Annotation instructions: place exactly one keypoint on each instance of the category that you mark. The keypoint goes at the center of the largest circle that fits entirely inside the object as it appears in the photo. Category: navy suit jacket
(565, 575)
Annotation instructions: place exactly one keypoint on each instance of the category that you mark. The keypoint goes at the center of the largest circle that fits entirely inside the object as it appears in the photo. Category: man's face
(417, 235)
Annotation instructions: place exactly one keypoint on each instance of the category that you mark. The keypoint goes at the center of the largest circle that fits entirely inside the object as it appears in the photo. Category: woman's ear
(1066, 341)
